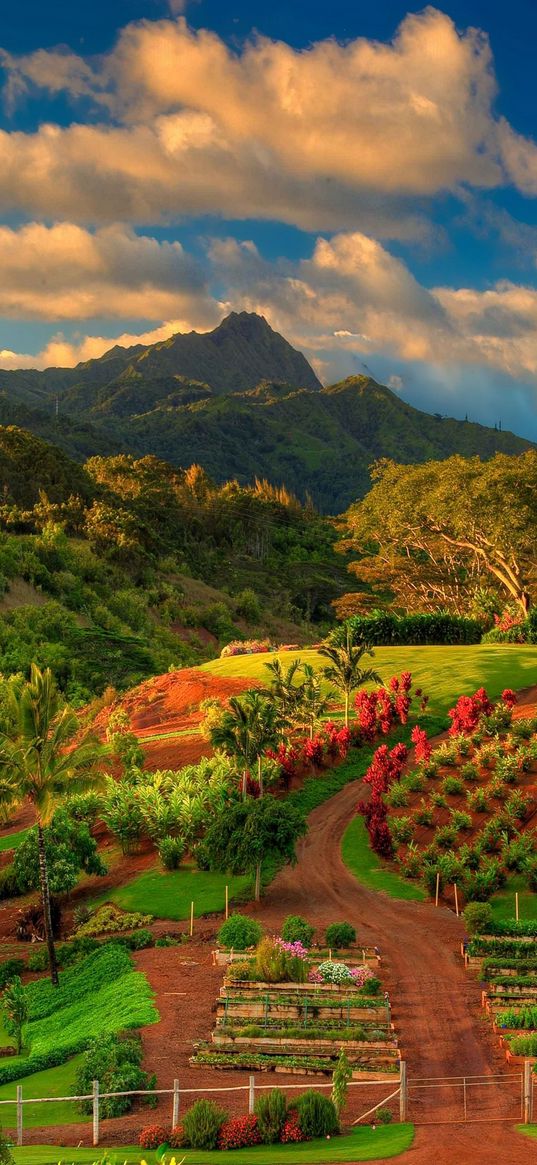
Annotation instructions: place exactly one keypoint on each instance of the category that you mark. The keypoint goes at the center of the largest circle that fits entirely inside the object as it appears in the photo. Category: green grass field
(12, 840)
(503, 903)
(363, 1144)
(169, 894)
(58, 1081)
(443, 672)
(368, 868)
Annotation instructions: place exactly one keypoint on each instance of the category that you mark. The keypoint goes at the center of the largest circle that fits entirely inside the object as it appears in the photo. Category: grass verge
(369, 870)
(168, 894)
(503, 902)
(58, 1081)
(363, 1144)
(12, 840)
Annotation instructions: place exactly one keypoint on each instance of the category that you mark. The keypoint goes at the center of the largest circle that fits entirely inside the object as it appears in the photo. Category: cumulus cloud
(335, 136)
(64, 272)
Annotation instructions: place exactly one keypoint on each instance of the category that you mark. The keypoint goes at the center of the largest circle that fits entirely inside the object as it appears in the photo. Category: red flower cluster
(507, 621)
(379, 710)
(509, 697)
(252, 785)
(176, 1138)
(385, 768)
(333, 741)
(291, 1132)
(422, 745)
(313, 751)
(152, 1136)
(240, 1132)
(338, 740)
(466, 714)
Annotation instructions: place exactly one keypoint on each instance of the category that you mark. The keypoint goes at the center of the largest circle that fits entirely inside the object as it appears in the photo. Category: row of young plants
(507, 964)
(469, 808)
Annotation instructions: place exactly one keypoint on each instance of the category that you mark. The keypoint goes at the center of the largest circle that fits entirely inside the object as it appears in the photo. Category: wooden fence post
(403, 1092)
(175, 1111)
(19, 1114)
(227, 901)
(456, 899)
(437, 889)
(95, 1113)
(516, 905)
(251, 1095)
(527, 1092)
(191, 919)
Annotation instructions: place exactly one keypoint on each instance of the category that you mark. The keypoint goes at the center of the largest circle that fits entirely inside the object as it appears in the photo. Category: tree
(247, 728)
(282, 687)
(15, 1006)
(42, 761)
(69, 848)
(432, 533)
(313, 703)
(344, 668)
(248, 832)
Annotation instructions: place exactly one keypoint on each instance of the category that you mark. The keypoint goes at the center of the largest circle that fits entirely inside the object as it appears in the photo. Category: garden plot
(507, 964)
(302, 1027)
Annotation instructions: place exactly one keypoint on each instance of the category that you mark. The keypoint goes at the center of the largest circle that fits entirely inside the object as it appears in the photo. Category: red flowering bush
(239, 1133)
(466, 714)
(507, 621)
(291, 1132)
(338, 740)
(422, 745)
(378, 711)
(288, 757)
(152, 1136)
(176, 1138)
(313, 751)
(509, 697)
(252, 785)
(385, 768)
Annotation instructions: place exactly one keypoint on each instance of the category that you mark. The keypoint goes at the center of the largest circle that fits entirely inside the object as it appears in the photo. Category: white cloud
(336, 136)
(65, 272)
(61, 352)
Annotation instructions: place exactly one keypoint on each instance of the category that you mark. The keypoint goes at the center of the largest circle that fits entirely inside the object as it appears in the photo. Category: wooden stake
(191, 919)
(227, 901)
(437, 888)
(456, 899)
(516, 905)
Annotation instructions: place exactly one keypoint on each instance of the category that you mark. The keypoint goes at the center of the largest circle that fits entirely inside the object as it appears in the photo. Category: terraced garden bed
(508, 965)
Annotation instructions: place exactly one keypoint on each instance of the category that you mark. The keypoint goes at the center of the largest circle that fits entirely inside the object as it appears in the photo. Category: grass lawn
(363, 1144)
(503, 903)
(368, 868)
(443, 672)
(12, 840)
(168, 894)
(52, 1082)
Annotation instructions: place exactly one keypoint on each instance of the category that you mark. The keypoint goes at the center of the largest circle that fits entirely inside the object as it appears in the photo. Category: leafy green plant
(317, 1115)
(340, 935)
(239, 932)
(15, 1009)
(115, 1061)
(202, 1123)
(109, 919)
(401, 829)
(297, 929)
(478, 917)
(271, 1112)
(170, 851)
(453, 786)
(340, 1083)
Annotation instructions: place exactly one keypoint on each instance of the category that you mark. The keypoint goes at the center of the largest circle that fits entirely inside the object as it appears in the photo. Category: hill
(243, 403)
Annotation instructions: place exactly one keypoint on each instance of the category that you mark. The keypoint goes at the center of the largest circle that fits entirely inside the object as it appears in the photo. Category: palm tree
(282, 688)
(41, 762)
(314, 703)
(249, 726)
(344, 670)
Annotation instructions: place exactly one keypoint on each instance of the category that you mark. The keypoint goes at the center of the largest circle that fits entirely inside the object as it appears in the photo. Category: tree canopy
(433, 534)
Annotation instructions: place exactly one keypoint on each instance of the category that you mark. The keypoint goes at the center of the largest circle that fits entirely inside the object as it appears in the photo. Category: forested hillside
(121, 568)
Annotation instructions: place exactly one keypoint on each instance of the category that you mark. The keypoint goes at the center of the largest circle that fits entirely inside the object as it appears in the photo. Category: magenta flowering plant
(296, 950)
(361, 975)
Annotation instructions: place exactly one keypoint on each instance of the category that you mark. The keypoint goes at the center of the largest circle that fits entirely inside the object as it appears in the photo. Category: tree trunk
(45, 901)
(347, 697)
(244, 783)
(260, 775)
(258, 882)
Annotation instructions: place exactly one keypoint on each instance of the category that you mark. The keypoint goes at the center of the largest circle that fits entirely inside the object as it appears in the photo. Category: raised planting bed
(314, 1047)
(363, 1068)
(368, 955)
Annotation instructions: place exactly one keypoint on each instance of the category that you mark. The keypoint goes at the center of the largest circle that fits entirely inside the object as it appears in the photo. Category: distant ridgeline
(243, 404)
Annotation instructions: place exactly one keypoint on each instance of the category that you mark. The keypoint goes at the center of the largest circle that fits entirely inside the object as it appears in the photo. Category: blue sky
(365, 176)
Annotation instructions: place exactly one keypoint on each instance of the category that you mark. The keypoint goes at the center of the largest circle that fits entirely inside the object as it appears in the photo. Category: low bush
(241, 1132)
(477, 917)
(239, 932)
(317, 1114)
(340, 935)
(271, 1111)
(152, 1136)
(382, 628)
(170, 852)
(291, 1132)
(109, 919)
(115, 1061)
(10, 969)
(202, 1124)
(9, 886)
(297, 929)
(38, 960)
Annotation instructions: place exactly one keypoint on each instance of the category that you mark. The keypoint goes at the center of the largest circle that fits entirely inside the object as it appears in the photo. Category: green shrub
(138, 940)
(340, 935)
(170, 852)
(384, 1115)
(202, 1124)
(6, 1157)
(239, 932)
(383, 628)
(109, 919)
(271, 1111)
(38, 960)
(115, 1061)
(270, 962)
(9, 886)
(317, 1115)
(477, 917)
(401, 829)
(469, 772)
(297, 929)
(9, 969)
(453, 786)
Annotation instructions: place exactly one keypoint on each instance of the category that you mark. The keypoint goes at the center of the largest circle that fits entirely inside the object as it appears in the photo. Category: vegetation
(247, 833)
(239, 932)
(344, 670)
(41, 762)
